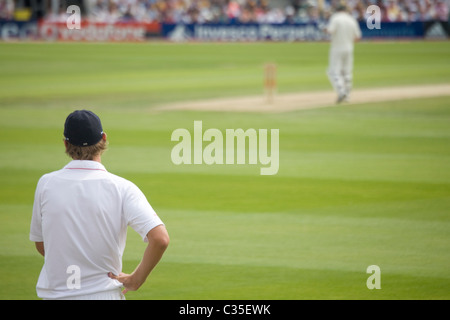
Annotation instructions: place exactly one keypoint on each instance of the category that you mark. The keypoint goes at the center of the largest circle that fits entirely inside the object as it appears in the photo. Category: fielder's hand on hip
(158, 240)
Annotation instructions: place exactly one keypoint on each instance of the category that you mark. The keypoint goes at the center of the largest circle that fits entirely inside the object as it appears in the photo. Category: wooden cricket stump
(270, 81)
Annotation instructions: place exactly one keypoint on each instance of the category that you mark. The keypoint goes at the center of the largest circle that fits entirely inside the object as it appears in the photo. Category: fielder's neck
(97, 158)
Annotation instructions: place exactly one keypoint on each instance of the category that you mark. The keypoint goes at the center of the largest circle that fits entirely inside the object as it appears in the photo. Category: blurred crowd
(247, 11)
(261, 11)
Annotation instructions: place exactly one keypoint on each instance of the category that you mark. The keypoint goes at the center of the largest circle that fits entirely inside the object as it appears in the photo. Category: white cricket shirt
(344, 30)
(81, 213)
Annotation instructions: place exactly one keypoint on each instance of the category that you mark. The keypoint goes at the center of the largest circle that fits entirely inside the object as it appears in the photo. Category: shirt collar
(84, 165)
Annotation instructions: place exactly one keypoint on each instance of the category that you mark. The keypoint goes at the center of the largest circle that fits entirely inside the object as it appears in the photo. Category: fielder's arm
(158, 241)
(40, 248)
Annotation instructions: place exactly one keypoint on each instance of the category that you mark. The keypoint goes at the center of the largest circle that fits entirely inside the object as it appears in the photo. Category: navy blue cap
(83, 128)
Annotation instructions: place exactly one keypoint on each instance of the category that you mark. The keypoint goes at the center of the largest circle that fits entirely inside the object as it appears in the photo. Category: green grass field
(358, 185)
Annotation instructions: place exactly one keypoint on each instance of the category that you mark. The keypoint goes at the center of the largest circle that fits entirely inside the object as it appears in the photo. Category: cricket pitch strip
(308, 100)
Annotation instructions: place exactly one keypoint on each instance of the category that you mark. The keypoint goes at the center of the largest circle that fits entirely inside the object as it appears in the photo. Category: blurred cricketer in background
(80, 218)
(344, 31)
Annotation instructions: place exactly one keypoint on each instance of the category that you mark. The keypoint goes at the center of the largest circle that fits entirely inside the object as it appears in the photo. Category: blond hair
(87, 152)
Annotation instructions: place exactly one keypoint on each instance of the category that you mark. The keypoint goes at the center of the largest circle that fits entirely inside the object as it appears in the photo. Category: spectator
(393, 12)
(441, 10)
(6, 9)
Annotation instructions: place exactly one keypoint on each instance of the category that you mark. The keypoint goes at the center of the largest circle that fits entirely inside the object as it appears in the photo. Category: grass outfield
(358, 185)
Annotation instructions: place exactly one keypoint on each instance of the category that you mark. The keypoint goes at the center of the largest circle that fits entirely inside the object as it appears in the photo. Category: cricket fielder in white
(344, 31)
(80, 218)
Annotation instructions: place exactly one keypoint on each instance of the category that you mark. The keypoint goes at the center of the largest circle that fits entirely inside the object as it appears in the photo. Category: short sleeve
(138, 212)
(36, 217)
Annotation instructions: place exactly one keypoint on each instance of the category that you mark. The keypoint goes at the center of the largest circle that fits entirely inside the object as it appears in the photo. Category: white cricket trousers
(340, 71)
(105, 295)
